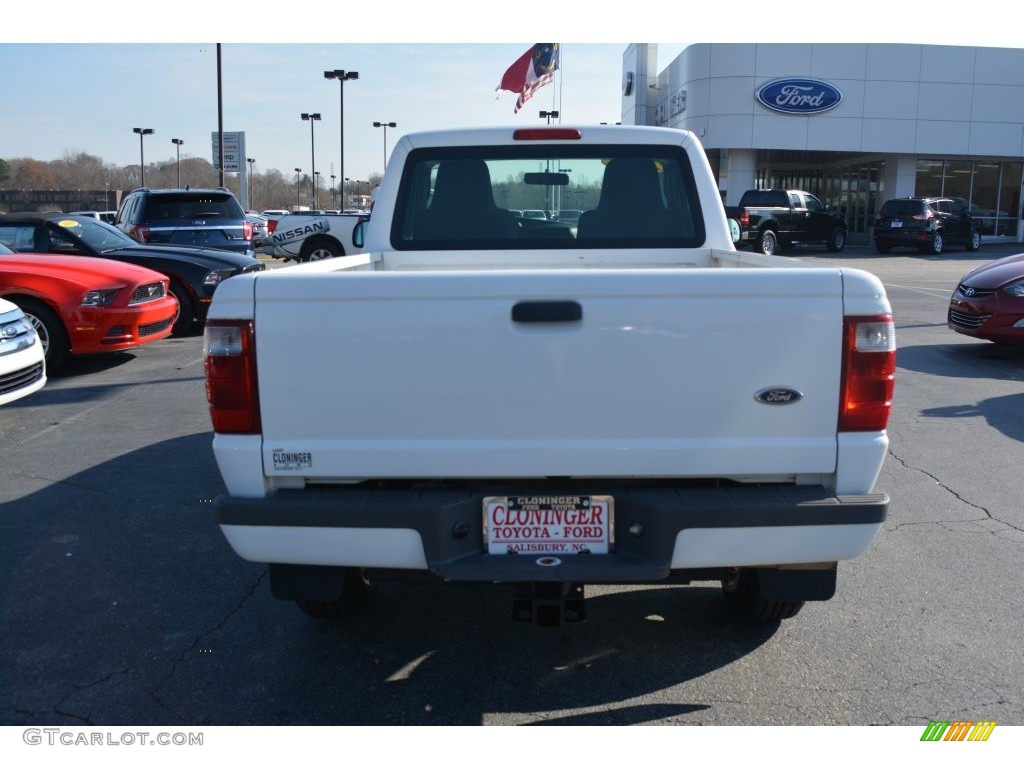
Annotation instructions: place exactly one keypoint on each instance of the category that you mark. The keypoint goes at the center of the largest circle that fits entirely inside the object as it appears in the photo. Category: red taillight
(545, 134)
(924, 216)
(247, 229)
(744, 220)
(141, 233)
(229, 360)
(271, 226)
(869, 373)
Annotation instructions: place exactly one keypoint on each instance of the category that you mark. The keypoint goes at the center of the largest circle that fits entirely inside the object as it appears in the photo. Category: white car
(107, 216)
(260, 228)
(22, 369)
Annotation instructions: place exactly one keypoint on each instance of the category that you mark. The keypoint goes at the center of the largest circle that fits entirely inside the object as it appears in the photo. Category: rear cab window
(482, 198)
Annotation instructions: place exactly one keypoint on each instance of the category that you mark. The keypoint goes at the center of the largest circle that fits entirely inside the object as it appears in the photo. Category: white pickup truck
(305, 237)
(483, 397)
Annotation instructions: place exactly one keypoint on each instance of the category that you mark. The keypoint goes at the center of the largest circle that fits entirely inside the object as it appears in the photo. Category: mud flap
(306, 582)
(790, 585)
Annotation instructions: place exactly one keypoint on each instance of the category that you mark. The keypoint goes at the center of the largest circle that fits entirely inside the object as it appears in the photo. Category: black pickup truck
(772, 220)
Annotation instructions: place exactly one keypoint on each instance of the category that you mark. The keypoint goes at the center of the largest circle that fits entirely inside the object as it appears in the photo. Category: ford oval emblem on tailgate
(777, 396)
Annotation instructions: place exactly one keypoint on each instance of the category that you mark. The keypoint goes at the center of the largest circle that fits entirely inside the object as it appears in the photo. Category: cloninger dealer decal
(284, 460)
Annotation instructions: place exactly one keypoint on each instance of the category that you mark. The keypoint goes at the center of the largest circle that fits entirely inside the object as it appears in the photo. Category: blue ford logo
(778, 395)
(799, 96)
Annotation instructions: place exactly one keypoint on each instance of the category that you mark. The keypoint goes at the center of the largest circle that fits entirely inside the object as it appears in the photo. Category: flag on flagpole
(533, 70)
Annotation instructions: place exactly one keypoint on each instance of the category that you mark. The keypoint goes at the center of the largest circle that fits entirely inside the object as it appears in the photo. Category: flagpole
(560, 52)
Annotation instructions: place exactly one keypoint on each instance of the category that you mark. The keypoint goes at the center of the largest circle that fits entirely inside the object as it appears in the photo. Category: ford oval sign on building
(799, 96)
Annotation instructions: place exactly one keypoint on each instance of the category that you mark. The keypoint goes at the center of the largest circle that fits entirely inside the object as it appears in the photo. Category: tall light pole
(142, 159)
(334, 193)
(316, 186)
(177, 148)
(341, 76)
(297, 198)
(385, 126)
(251, 161)
(220, 121)
(312, 117)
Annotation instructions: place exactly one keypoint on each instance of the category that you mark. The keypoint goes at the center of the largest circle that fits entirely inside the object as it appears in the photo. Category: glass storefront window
(957, 179)
(854, 187)
(990, 188)
(985, 197)
(1009, 198)
(929, 178)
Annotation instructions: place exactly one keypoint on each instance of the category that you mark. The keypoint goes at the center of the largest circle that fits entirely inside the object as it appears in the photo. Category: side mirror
(734, 230)
(359, 234)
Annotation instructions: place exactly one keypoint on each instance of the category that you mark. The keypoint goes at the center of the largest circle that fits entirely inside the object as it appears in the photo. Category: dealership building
(854, 124)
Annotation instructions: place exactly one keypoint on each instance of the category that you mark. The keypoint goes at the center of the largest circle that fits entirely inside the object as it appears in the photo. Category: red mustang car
(988, 302)
(81, 305)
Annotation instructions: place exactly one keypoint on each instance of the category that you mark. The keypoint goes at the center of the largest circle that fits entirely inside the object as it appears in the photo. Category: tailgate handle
(547, 312)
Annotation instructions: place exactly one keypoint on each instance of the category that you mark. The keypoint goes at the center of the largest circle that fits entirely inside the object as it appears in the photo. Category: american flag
(531, 71)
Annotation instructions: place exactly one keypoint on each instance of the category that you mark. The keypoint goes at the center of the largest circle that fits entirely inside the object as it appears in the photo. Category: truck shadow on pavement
(453, 655)
(977, 361)
(122, 604)
(971, 359)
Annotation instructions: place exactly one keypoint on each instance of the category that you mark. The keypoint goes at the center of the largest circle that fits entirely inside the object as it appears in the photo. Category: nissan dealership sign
(799, 96)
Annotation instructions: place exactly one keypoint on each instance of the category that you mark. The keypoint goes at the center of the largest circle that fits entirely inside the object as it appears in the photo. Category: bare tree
(32, 174)
(79, 170)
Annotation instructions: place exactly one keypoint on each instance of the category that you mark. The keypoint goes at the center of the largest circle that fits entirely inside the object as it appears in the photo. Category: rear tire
(937, 244)
(356, 597)
(50, 328)
(768, 243)
(881, 247)
(974, 240)
(743, 594)
(318, 249)
(837, 242)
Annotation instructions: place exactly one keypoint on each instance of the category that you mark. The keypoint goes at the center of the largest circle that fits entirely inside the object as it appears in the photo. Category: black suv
(211, 218)
(925, 223)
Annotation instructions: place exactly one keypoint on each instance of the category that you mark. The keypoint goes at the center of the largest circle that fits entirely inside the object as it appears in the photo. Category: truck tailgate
(492, 374)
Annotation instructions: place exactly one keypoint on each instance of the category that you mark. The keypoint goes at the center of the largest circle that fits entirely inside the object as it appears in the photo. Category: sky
(172, 88)
(81, 81)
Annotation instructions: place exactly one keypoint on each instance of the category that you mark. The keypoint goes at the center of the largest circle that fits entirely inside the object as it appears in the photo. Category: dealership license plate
(548, 525)
(896, 224)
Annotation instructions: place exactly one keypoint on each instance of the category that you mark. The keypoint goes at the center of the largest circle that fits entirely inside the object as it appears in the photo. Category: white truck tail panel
(659, 377)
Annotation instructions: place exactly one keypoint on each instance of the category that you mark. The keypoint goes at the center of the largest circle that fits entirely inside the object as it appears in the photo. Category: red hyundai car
(81, 305)
(988, 302)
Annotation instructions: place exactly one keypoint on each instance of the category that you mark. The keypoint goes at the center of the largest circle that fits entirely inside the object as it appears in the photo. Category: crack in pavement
(195, 642)
(987, 514)
(58, 707)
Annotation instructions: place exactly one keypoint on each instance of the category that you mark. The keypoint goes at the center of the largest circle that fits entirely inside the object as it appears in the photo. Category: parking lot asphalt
(122, 604)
